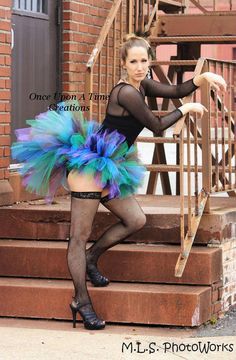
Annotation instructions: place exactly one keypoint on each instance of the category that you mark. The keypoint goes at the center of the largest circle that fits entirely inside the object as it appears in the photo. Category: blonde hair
(131, 40)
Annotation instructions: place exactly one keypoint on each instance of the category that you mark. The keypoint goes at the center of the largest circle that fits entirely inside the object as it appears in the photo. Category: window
(36, 6)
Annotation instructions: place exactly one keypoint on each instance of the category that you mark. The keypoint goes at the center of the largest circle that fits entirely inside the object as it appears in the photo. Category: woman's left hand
(217, 82)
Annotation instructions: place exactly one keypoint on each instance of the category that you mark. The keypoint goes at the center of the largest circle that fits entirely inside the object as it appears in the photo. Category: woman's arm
(130, 99)
(154, 88)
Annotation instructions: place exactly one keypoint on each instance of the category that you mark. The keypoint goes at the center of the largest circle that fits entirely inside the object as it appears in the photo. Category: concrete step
(177, 305)
(47, 259)
(37, 220)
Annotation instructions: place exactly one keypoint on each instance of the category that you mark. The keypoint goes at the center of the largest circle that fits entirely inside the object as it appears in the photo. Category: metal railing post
(206, 140)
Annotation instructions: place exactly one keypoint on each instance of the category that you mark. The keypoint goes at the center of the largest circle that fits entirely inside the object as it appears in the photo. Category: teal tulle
(58, 142)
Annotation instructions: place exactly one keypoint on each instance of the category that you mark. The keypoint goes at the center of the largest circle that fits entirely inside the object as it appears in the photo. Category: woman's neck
(135, 84)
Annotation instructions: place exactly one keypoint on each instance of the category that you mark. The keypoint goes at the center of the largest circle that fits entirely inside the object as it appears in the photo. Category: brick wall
(229, 274)
(82, 22)
(5, 93)
(224, 291)
(6, 193)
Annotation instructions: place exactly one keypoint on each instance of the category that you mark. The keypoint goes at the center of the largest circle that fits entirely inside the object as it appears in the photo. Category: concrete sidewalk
(47, 340)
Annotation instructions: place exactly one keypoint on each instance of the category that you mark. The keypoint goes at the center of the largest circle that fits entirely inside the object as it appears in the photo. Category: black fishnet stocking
(83, 210)
(131, 218)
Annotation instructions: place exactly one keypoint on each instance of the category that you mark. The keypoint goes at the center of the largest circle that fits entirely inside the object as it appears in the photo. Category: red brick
(2, 84)
(99, 21)
(6, 3)
(93, 11)
(1, 174)
(67, 25)
(65, 5)
(83, 9)
(1, 129)
(7, 151)
(5, 49)
(5, 71)
(2, 60)
(5, 94)
(7, 60)
(66, 58)
(88, 39)
(8, 38)
(69, 66)
(67, 15)
(77, 18)
(5, 140)
(70, 87)
(68, 36)
(7, 129)
(4, 162)
(8, 84)
(83, 28)
(8, 109)
(65, 66)
(5, 25)
(1, 152)
(5, 13)
(94, 30)
(71, 47)
(2, 107)
(70, 5)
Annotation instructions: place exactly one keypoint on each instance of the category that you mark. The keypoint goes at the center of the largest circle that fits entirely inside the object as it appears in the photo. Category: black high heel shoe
(96, 278)
(90, 319)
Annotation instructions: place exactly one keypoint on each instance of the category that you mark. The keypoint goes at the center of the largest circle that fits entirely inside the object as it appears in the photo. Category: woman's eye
(134, 61)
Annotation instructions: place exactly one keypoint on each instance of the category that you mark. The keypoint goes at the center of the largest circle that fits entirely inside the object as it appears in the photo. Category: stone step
(177, 305)
(124, 262)
(37, 220)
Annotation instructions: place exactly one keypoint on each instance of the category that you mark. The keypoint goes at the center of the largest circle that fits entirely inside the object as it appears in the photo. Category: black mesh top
(128, 113)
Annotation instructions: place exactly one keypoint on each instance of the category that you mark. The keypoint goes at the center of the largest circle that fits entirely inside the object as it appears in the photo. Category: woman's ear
(123, 64)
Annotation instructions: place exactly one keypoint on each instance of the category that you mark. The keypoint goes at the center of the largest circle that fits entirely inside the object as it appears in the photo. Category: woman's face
(136, 63)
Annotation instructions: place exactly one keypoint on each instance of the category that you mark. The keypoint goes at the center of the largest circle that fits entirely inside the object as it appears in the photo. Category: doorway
(36, 38)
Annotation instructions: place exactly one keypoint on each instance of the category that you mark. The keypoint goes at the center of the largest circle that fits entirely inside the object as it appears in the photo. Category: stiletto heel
(74, 312)
(87, 313)
(96, 278)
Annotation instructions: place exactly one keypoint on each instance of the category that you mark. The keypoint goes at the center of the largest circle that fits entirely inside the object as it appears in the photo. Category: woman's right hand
(193, 107)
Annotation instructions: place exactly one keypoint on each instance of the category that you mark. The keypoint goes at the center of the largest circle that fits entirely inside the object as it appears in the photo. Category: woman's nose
(140, 66)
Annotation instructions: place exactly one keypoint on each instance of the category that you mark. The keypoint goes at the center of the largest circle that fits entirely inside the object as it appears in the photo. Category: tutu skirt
(57, 142)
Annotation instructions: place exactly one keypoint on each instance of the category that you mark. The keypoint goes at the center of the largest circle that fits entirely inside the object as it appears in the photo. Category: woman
(102, 163)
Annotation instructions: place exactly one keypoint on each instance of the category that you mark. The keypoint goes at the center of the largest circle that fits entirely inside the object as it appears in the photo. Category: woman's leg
(85, 198)
(131, 218)
(83, 211)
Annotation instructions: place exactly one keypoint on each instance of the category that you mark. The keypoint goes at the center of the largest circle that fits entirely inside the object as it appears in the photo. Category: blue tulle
(58, 142)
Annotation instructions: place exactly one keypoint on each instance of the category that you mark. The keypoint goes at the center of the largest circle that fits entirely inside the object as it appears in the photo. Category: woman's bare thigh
(82, 182)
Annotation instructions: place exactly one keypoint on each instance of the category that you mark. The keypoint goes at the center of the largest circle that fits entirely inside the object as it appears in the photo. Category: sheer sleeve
(154, 88)
(131, 100)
